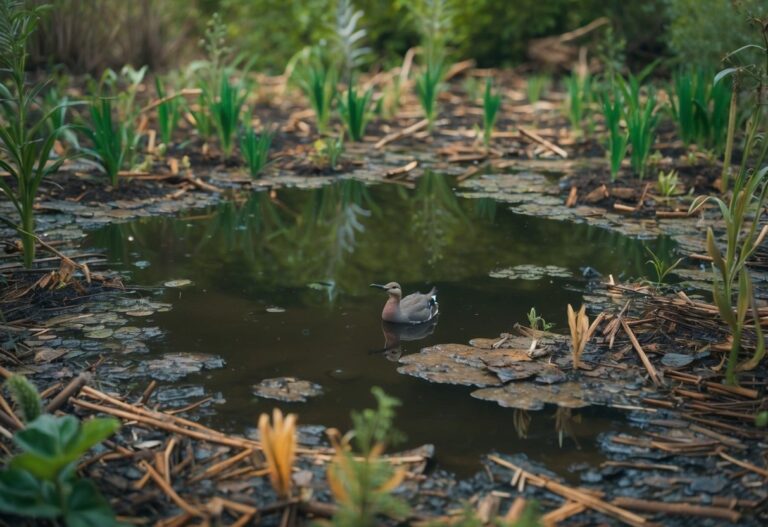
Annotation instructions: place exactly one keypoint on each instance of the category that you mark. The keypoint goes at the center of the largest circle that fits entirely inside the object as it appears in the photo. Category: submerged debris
(288, 389)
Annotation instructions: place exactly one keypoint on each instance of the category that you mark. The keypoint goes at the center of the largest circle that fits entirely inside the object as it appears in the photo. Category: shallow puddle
(280, 288)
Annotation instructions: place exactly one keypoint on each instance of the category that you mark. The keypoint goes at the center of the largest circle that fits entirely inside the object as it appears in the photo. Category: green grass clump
(109, 139)
(699, 107)
(355, 112)
(255, 150)
(168, 113)
(613, 110)
(579, 89)
(536, 86)
(225, 111)
(491, 105)
(428, 88)
(317, 80)
(642, 119)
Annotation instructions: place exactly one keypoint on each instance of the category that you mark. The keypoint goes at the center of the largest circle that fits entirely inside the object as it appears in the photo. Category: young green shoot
(642, 120)
(318, 82)
(428, 88)
(536, 322)
(536, 86)
(355, 112)
(660, 266)
(666, 184)
(491, 105)
(226, 111)
(168, 113)
(255, 150)
(109, 139)
(617, 139)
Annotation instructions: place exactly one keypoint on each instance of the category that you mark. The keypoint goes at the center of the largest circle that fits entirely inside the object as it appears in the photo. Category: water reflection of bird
(395, 334)
(413, 309)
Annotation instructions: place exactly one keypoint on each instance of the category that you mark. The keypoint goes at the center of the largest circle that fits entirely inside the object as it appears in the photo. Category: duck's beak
(379, 286)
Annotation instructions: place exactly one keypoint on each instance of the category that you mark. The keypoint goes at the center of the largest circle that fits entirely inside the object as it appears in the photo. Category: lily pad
(103, 333)
(531, 272)
(288, 389)
(174, 366)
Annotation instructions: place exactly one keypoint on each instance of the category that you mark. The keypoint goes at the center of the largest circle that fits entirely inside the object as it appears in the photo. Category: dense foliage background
(494, 32)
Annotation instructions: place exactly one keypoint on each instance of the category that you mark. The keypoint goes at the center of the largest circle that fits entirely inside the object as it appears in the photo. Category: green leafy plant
(536, 86)
(348, 38)
(491, 105)
(428, 88)
(536, 322)
(26, 141)
(700, 108)
(360, 480)
(617, 140)
(109, 139)
(225, 110)
(732, 289)
(435, 21)
(666, 183)
(41, 482)
(168, 113)
(355, 112)
(642, 120)
(660, 266)
(731, 285)
(255, 149)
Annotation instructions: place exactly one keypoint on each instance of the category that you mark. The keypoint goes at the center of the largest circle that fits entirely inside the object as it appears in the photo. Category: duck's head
(392, 289)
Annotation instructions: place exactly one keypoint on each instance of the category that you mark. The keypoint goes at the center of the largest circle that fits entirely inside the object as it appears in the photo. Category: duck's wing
(419, 307)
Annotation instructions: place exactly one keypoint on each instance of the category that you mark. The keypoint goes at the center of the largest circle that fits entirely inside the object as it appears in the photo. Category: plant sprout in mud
(660, 266)
(355, 111)
(255, 149)
(537, 322)
(491, 105)
(666, 183)
(618, 140)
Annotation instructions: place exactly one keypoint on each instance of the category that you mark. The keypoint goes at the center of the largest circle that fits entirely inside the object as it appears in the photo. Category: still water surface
(280, 288)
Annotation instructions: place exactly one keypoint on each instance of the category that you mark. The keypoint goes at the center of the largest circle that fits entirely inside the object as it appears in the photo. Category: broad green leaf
(86, 507)
(92, 432)
(47, 435)
(24, 495)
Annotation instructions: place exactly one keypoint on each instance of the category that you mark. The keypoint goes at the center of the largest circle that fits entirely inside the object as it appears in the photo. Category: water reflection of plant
(565, 419)
(436, 214)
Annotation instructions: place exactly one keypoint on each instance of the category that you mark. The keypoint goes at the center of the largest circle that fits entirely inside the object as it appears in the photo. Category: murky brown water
(312, 254)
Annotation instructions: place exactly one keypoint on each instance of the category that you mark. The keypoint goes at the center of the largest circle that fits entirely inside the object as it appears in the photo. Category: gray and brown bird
(412, 309)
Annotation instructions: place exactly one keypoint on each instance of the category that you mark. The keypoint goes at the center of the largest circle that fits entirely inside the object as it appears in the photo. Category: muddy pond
(280, 288)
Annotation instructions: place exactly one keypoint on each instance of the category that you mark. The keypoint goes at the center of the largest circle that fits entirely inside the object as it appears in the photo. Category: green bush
(702, 32)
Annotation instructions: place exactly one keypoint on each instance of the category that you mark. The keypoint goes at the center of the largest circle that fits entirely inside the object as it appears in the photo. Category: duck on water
(412, 309)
